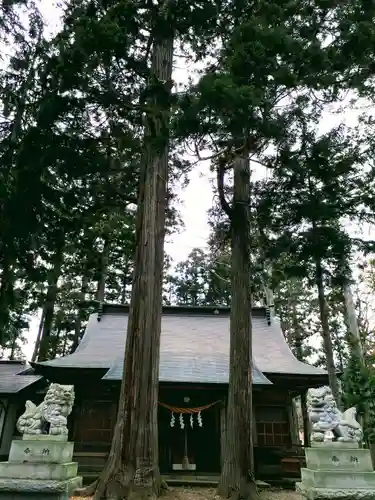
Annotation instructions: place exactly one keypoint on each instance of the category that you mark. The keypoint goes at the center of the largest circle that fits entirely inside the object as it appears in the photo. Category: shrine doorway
(191, 444)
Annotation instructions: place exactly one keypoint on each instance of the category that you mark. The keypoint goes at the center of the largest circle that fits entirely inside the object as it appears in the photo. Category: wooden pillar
(306, 425)
(293, 421)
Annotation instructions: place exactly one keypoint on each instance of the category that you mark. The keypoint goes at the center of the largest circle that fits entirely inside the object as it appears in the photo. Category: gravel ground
(210, 494)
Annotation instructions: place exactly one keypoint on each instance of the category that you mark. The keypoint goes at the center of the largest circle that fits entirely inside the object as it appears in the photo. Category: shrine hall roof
(194, 346)
(14, 377)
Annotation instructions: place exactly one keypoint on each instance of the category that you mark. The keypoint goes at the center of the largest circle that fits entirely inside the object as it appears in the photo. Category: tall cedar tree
(238, 468)
(133, 458)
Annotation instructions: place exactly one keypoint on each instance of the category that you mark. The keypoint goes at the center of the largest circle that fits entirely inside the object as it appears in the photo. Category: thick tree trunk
(133, 464)
(327, 341)
(49, 306)
(237, 475)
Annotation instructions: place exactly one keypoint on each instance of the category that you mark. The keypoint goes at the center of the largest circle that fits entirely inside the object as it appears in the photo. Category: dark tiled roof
(194, 346)
(12, 379)
(185, 368)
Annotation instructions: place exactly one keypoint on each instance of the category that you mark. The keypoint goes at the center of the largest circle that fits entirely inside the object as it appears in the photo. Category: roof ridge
(108, 308)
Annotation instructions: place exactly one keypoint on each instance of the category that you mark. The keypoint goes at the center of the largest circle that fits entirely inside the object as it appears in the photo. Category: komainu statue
(50, 417)
(324, 416)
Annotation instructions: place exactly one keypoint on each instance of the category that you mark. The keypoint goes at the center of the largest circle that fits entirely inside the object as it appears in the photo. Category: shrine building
(194, 375)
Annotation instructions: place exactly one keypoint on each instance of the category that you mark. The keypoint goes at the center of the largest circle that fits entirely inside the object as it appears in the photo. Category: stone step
(330, 494)
(31, 488)
(337, 479)
(90, 458)
(45, 472)
(91, 467)
(34, 450)
(357, 460)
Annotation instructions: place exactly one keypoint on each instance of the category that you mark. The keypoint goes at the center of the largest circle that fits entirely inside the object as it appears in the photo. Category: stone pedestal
(39, 467)
(337, 471)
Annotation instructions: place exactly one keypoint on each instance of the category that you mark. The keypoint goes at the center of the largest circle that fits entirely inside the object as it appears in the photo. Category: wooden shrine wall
(94, 417)
(273, 426)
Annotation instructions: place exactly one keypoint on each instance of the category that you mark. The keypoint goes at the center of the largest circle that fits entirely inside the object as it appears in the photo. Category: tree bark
(327, 341)
(133, 464)
(49, 306)
(237, 474)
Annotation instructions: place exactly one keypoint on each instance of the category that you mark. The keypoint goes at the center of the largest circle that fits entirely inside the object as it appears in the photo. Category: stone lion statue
(324, 416)
(50, 417)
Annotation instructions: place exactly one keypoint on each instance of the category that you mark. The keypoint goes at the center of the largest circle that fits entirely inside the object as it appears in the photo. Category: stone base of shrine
(39, 467)
(30, 489)
(312, 493)
(339, 471)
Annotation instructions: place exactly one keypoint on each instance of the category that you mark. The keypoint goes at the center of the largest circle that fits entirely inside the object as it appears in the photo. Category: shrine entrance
(189, 439)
